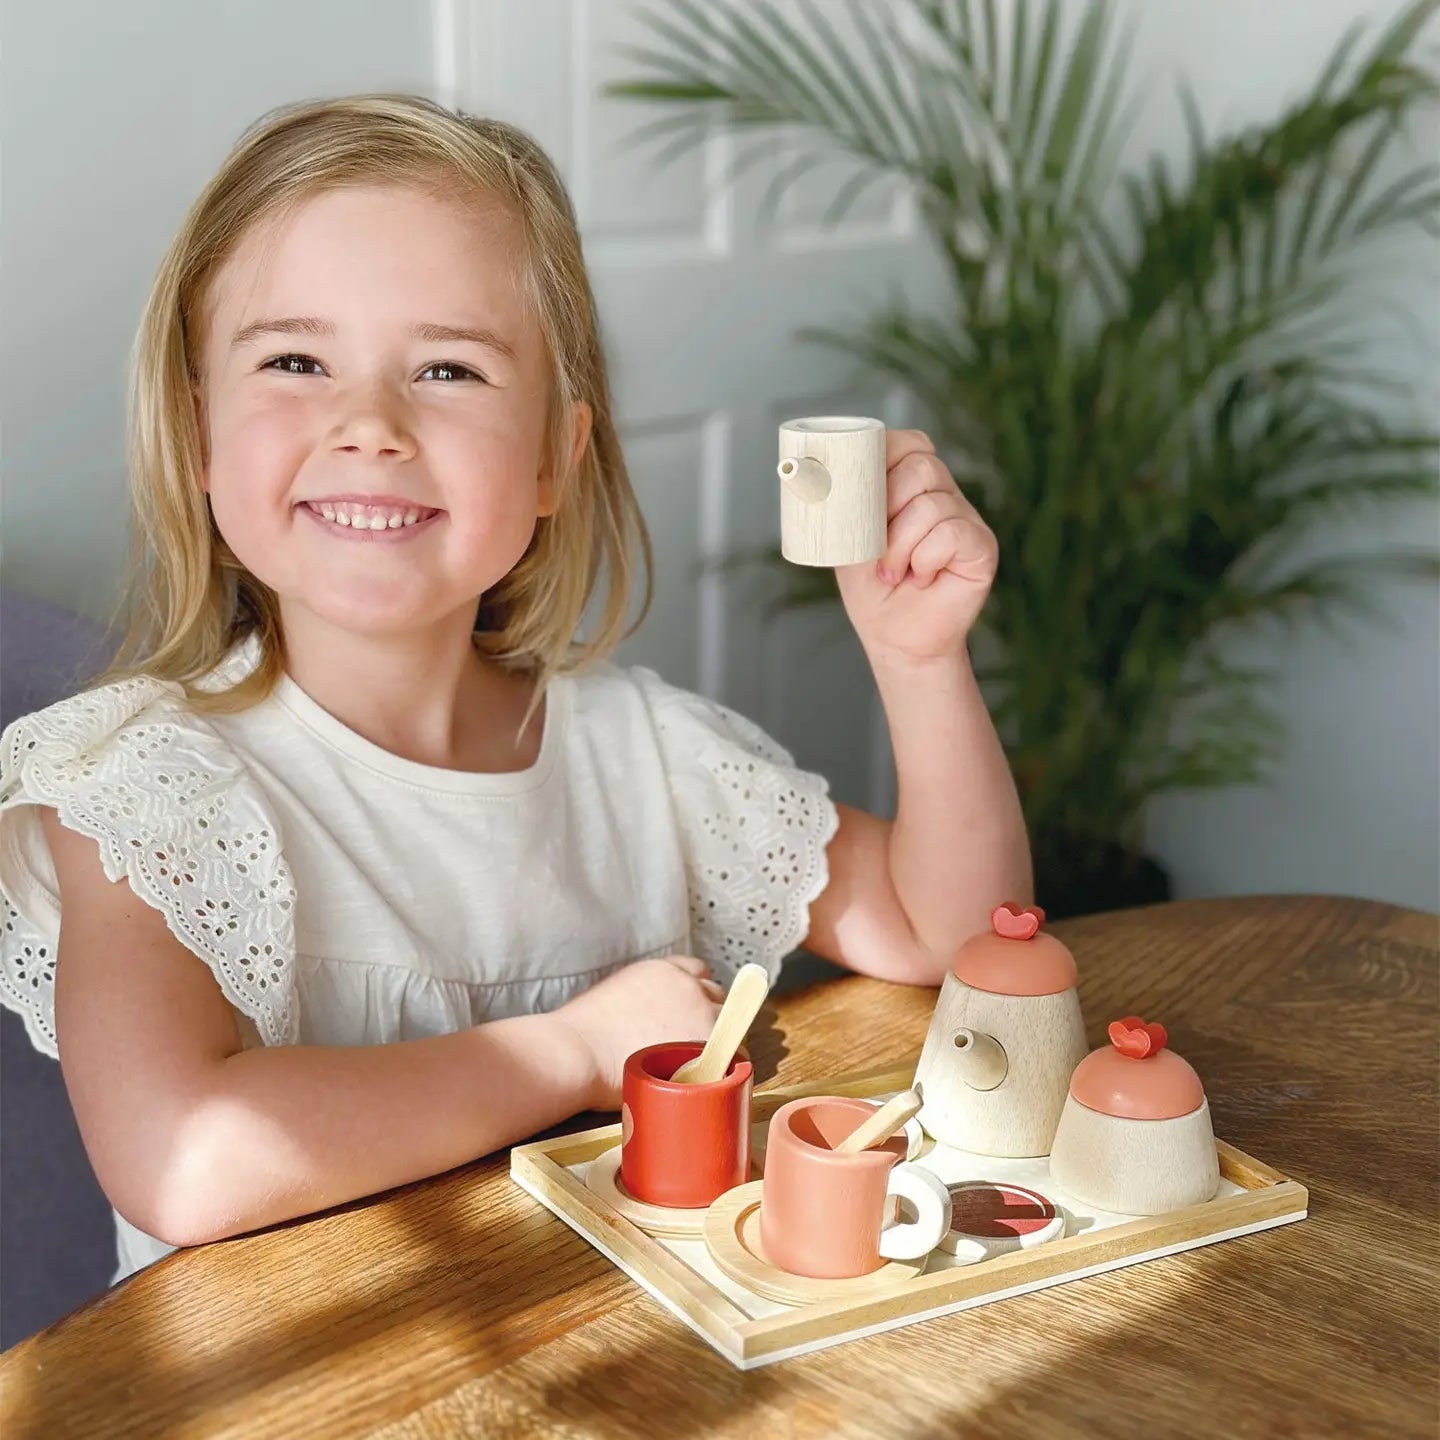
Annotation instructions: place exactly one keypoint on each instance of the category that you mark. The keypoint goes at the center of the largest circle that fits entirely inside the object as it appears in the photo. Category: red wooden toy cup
(683, 1145)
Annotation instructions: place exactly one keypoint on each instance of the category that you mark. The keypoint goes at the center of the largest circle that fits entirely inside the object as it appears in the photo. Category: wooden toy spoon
(882, 1124)
(747, 993)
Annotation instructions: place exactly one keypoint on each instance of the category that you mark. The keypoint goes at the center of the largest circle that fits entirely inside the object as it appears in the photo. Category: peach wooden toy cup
(683, 1145)
(822, 1212)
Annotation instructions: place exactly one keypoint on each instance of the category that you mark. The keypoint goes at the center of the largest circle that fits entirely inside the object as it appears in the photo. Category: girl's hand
(919, 600)
(672, 998)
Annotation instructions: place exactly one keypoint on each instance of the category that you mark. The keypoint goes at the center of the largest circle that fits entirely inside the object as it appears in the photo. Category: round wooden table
(459, 1307)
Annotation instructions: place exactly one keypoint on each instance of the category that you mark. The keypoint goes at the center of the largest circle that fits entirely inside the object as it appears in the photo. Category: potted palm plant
(1143, 379)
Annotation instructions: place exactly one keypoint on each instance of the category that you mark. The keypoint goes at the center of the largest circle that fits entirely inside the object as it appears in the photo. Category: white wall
(1352, 808)
(112, 117)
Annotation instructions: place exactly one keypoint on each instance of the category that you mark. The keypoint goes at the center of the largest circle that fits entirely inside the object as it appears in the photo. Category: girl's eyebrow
(439, 334)
(295, 325)
(311, 325)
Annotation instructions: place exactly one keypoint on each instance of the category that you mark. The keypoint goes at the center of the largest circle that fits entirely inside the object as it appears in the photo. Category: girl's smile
(375, 519)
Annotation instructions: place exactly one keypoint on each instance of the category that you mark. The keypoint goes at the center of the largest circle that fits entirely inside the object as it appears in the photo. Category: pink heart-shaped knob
(1132, 1036)
(1012, 923)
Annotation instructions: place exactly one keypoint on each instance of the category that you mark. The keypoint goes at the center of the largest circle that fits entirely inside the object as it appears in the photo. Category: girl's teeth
(366, 522)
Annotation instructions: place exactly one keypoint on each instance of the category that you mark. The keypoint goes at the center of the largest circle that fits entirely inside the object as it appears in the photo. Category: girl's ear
(581, 423)
(584, 420)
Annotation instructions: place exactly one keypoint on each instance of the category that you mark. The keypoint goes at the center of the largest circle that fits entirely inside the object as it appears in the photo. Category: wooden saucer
(603, 1177)
(732, 1236)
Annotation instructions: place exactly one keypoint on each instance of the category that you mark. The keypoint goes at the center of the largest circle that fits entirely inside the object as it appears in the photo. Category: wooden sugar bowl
(1135, 1137)
(1006, 1036)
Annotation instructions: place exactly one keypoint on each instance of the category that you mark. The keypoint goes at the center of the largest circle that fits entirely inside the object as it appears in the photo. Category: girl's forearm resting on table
(958, 846)
(290, 1129)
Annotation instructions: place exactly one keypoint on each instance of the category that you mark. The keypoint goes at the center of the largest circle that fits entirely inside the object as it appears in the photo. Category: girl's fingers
(900, 443)
(916, 473)
(963, 546)
(910, 527)
(918, 517)
(714, 989)
(690, 964)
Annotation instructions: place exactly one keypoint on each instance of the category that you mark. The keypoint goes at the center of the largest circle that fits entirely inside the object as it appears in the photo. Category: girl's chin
(365, 608)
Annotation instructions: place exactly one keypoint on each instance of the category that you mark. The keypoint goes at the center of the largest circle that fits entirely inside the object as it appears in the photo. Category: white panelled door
(700, 299)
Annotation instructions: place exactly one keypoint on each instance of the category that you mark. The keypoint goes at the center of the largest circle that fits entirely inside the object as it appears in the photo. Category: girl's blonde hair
(187, 598)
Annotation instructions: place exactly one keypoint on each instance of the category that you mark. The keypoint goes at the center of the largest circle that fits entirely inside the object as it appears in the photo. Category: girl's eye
(444, 370)
(449, 370)
(294, 365)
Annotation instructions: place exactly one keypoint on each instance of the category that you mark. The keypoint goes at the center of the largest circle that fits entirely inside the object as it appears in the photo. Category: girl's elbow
(174, 1195)
(908, 960)
(176, 1213)
(164, 1216)
(929, 967)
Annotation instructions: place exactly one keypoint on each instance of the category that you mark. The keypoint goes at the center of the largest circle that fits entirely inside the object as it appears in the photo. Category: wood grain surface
(459, 1307)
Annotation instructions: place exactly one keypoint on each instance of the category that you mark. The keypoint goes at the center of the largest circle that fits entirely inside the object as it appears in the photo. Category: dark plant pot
(1083, 879)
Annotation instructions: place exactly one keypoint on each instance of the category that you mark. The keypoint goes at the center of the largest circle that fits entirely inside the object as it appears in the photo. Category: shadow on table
(339, 1328)
(1122, 1354)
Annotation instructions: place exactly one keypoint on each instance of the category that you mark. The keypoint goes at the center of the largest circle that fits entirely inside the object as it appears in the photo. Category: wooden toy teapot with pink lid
(1006, 1036)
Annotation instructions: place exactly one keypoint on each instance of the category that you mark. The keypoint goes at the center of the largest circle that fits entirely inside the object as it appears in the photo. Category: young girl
(356, 866)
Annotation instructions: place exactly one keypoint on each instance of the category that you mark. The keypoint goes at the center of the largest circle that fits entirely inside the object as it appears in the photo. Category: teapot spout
(805, 477)
(979, 1059)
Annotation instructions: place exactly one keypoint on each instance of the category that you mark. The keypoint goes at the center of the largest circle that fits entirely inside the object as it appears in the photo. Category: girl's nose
(373, 422)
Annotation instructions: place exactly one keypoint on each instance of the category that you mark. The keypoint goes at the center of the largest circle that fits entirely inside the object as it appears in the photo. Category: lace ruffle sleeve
(754, 829)
(176, 815)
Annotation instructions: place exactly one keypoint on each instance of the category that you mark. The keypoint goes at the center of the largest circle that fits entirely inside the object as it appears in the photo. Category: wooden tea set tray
(751, 1329)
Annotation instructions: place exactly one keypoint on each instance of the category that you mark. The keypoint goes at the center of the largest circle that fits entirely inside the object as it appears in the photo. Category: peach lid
(1013, 958)
(1136, 1077)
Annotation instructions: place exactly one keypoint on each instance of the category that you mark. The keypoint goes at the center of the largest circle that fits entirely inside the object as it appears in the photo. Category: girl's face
(369, 357)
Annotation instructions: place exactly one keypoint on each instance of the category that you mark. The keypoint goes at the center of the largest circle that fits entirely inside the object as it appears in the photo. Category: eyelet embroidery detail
(176, 816)
(754, 826)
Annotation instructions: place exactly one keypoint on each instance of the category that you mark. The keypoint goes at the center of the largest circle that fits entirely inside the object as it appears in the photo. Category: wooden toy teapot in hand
(1006, 1035)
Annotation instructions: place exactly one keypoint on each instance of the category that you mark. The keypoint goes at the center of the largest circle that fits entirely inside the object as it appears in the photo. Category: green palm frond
(1148, 381)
